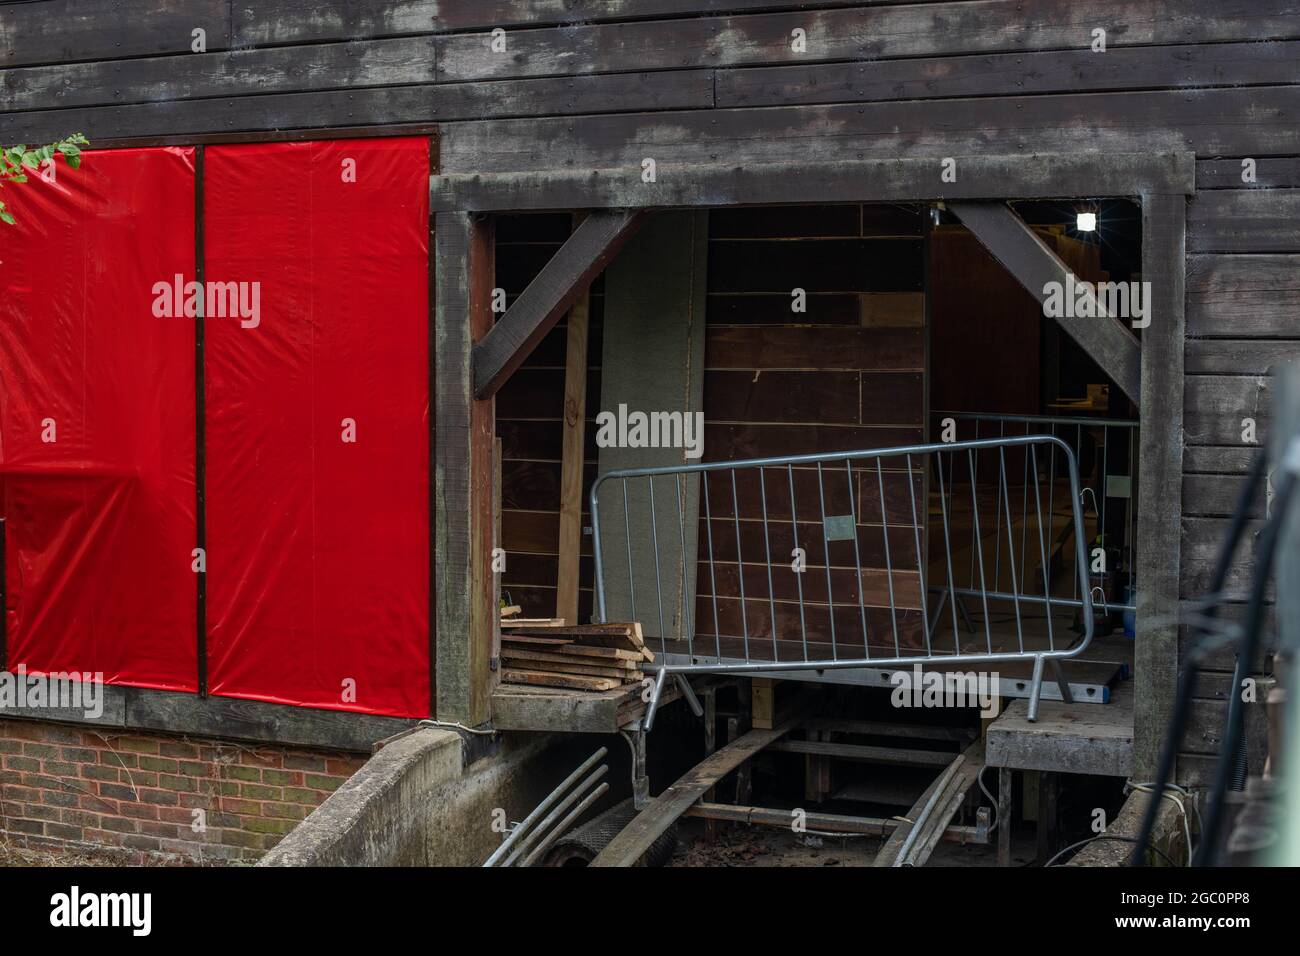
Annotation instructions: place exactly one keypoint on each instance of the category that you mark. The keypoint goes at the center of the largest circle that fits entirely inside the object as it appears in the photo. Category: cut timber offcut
(551, 653)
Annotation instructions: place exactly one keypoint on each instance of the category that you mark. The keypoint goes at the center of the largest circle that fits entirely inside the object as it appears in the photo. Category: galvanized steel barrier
(1108, 446)
(795, 598)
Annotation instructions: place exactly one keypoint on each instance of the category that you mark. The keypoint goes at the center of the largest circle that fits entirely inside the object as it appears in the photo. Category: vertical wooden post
(1160, 478)
(1048, 790)
(571, 460)
(463, 480)
(1005, 784)
(763, 697)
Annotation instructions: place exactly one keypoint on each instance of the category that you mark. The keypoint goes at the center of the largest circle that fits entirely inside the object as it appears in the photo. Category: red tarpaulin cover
(99, 520)
(318, 549)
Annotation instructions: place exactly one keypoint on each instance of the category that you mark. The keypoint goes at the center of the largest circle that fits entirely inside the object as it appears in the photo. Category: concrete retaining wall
(416, 804)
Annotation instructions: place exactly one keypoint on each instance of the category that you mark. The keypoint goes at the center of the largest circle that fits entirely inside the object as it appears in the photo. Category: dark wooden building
(877, 127)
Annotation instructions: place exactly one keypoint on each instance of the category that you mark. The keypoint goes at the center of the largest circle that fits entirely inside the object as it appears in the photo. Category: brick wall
(141, 793)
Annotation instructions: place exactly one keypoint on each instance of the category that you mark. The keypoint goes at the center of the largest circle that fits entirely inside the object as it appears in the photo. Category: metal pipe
(924, 815)
(550, 818)
(514, 834)
(563, 826)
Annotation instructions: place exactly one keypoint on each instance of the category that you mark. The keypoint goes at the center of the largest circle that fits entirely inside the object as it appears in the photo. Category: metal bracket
(640, 779)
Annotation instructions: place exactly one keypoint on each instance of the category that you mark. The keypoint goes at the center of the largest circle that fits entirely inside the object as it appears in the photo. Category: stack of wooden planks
(550, 652)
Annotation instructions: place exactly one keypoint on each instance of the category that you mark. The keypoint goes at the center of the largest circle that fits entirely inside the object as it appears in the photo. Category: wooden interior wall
(985, 330)
(991, 350)
(847, 374)
(530, 424)
(590, 84)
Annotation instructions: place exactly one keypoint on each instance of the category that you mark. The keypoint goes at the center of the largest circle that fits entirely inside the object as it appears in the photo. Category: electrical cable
(1177, 797)
(1208, 851)
(448, 723)
(1105, 836)
(979, 779)
(1187, 675)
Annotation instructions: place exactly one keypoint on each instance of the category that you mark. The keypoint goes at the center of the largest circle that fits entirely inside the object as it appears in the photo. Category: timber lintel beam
(1034, 265)
(562, 280)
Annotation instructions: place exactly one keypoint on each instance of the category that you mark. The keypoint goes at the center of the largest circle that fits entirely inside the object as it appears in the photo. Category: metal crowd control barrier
(1106, 449)
(808, 563)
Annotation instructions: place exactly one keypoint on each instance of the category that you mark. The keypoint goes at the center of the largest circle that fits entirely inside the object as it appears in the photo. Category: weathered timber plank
(1215, 407)
(548, 679)
(518, 707)
(61, 31)
(513, 661)
(1033, 265)
(379, 106)
(1245, 220)
(875, 32)
(1210, 460)
(1215, 496)
(1204, 735)
(274, 22)
(1223, 657)
(1159, 493)
(226, 73)
(1271, 172)
(572, 456)
(631, 844)
(467, 589)
(614, 656)
(1207, 122)
(1237, 357)
(866, 753)
(809, 181)
(1243, 296)
(1071, 738)
(1201, 541)
(562, 280)
(1232, 275)
(1013, 74)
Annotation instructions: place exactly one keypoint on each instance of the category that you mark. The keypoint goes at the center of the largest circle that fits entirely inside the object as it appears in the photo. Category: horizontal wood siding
(1243, 319)
(601, 83)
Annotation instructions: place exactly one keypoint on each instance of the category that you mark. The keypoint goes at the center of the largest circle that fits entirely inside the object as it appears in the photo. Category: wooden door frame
(1161, 182)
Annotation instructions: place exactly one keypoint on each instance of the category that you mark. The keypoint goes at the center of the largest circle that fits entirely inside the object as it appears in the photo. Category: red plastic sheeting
(318, 548)
(99, 520)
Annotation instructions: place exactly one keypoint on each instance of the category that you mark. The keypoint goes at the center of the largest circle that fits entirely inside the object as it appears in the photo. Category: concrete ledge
(416, 803)
(364, 821)
(1167, 836)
